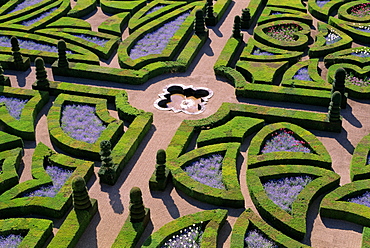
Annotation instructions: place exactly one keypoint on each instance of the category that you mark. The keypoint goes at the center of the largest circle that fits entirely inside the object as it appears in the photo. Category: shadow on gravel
(113, 191)
(20, 75)
(91, 230)
(167, 199)
(348, 115)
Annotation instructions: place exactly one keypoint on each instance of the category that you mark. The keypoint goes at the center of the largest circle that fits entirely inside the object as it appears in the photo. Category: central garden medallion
(188, 99)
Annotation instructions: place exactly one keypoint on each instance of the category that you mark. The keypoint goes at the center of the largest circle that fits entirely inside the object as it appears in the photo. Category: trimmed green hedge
(70, 22)
(115, 7)
(7, 62)
(287, 4)
(345, 56)
(79, 54)
(248, 221)
(365, 237)
(32, 12)
(140, 18)
(212, 222)
(359, 168)
(350, 29)
(67, 34)
(83, 8)
(131, 232)
(8, 141)
(354, 91)
(344, 12)
(127, 146)
(25, 126)
(291, 14)
(301, 37)
(255, 6)
(318, 157)
(228, 53)
(324, 12)
(321, 49)
(305, 119)
(173, 46)
(73, 227)
(279, 54)
(114, 24)
(263, 73)
(334, 204)
(317, 82)
(12, 202)
(293, 225)
(231, 196)
(127, 76)
(177, 156)
(113, 131)
(124, 144)
(9, 164)
(236, 130)
(36, 231)
(55, 88)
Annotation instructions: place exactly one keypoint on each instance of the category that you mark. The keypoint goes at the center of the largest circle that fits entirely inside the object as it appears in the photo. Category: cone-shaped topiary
(81, 199)
(62, 57)
(2, 77)
(246, 18)
(160, 172)
(339, 81)
(105, 153)
(210, 16)
(17, 56)
(209, 10)
(236, 29)
(334, 107)
(41, 75)
(199, 22)
(339, 85)
(136, 207)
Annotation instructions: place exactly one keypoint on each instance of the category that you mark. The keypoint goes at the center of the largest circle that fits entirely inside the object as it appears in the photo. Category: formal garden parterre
(312, 53)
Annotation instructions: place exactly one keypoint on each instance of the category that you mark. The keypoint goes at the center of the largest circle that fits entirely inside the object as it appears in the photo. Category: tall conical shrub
(17, 56)
(246, 18)
(334, 107)
(41, 75)
(199, 25)
(62, 56)
(236, 29)
(136, 207)
(80, 195)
